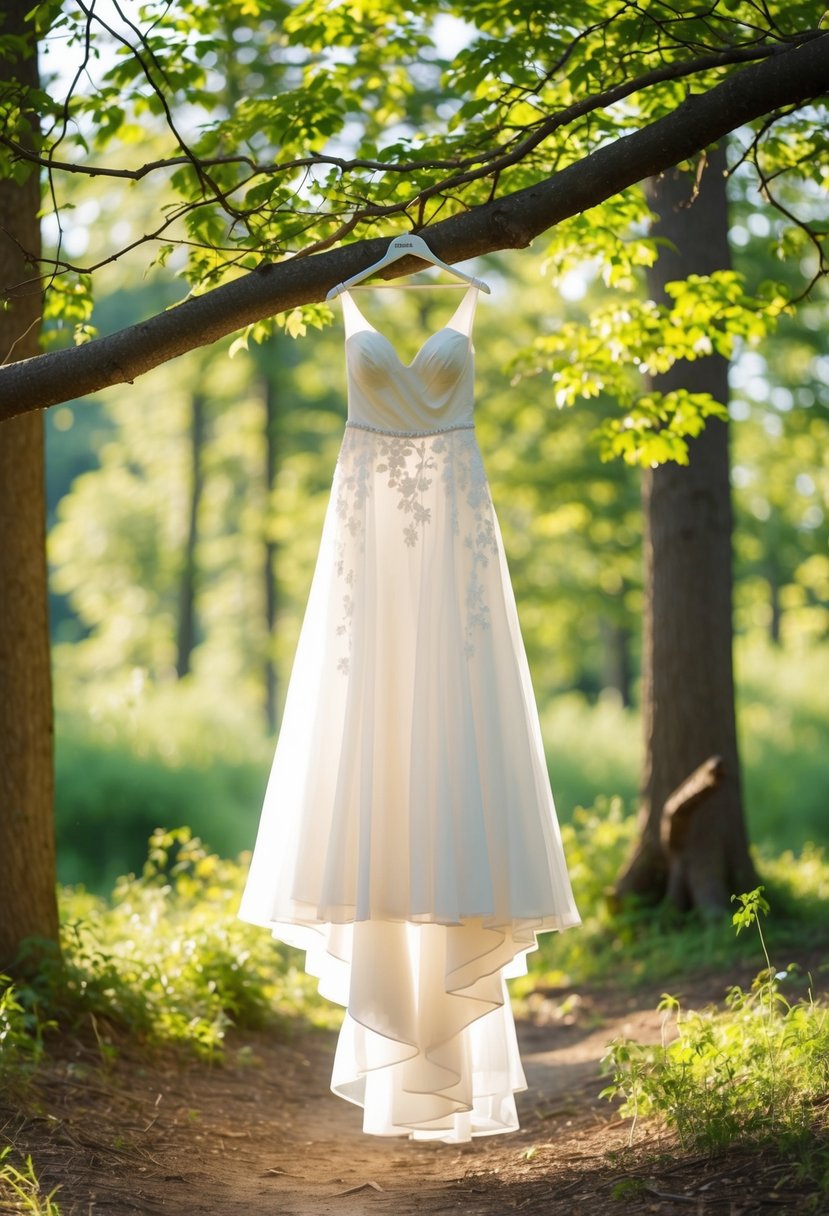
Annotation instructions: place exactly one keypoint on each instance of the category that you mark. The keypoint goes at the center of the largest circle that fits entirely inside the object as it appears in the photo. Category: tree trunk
(775, 607)
(189, 572)
(271, 602)
(616, 666)
(687, 677)
(28, 904)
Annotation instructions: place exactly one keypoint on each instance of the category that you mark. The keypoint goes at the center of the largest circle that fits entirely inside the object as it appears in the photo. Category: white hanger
(401, 247)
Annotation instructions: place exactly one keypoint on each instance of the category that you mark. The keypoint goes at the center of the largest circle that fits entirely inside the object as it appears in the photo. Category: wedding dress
(408, 841)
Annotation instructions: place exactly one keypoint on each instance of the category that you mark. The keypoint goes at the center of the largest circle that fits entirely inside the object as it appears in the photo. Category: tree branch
(793, 77)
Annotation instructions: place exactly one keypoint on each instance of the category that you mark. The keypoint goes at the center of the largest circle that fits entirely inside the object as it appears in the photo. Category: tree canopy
(288, 141)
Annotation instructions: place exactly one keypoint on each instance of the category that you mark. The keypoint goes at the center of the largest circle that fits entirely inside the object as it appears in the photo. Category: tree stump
(675, 821)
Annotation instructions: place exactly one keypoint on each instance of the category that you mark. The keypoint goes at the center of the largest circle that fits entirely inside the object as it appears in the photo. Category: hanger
(410, 245)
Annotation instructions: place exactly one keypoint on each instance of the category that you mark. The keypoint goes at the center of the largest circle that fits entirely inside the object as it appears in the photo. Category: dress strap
(354, 320)
(461, 320)
(464, 314)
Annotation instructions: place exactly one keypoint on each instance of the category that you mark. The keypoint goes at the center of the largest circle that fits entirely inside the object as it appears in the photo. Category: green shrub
(591, 750)
(110, 799)
(756, 1072)
(167, 959)
(781, 713)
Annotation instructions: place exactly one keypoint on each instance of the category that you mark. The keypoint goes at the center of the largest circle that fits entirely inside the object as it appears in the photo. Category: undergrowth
(753, 1074)
(21, 1033)
(165, 959)
(643, 944)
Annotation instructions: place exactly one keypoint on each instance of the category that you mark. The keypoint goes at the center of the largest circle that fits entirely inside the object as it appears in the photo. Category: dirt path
(264, 1135)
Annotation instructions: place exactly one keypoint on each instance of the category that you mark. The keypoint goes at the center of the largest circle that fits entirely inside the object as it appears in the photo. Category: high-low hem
(428, 1046)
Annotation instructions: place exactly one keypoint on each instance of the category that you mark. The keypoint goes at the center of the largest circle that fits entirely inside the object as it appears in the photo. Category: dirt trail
(264, 1134)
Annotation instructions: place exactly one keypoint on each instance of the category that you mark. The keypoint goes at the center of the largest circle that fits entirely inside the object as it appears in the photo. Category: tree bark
(27, 842)
(775, 607)
(271, 403)
(687, 677)
(189, 570)
(616, 662)
(789, 77)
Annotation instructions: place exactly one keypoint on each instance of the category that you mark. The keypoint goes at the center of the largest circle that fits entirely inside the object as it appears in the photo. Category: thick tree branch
(791, 78)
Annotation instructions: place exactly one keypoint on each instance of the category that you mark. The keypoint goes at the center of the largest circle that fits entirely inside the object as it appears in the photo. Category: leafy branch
(457, 173)
(519, 183)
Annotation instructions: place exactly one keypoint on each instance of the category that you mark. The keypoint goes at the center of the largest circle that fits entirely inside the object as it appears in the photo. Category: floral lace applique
(410, 464)
(411, 484)
(353, 486)
(464, 478)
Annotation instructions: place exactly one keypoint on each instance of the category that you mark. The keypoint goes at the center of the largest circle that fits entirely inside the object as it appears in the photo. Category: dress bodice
(434, 392)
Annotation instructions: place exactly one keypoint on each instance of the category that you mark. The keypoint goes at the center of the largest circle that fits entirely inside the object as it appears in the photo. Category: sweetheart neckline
(410, 366)
(448, 328)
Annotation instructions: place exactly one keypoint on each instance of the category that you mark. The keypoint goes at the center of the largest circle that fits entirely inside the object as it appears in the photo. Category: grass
(20, 1190)
(751, 1075)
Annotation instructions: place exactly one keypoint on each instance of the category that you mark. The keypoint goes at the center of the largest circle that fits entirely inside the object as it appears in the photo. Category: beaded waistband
(437, 430)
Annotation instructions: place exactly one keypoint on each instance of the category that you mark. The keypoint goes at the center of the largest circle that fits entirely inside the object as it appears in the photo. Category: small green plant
(21, 1035)
(628, 1188)
(752, 1073)
(752, 906)
(20, 1190)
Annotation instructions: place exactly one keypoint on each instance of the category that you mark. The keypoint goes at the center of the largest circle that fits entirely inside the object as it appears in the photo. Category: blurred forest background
(185, 516)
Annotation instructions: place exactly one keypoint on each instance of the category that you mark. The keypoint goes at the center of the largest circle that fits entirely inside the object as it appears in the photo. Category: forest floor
(262, 1134)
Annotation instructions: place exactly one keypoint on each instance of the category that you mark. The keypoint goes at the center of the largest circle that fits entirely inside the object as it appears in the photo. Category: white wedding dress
(408, 841)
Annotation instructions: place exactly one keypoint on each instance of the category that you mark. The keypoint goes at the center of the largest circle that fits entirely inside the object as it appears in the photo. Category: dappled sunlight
(646, 396)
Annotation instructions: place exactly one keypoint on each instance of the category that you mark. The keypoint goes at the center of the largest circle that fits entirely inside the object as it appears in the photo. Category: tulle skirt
(408, 840)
